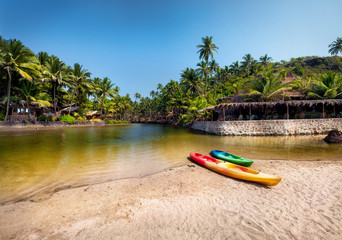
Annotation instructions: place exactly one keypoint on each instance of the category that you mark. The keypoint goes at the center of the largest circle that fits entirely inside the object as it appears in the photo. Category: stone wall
(270, 127)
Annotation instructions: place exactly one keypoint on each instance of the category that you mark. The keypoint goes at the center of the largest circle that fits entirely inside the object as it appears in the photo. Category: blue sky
(138, 44)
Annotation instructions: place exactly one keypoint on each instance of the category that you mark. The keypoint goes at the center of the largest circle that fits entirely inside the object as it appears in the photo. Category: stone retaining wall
(270, 127)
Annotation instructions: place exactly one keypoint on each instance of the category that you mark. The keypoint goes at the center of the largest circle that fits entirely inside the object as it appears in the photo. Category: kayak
(231, 158)
(235, 171)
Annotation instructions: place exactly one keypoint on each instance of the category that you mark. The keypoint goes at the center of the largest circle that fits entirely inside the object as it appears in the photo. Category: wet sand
(189, 202)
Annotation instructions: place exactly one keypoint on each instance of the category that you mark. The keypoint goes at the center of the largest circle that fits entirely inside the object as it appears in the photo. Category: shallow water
(39, 161)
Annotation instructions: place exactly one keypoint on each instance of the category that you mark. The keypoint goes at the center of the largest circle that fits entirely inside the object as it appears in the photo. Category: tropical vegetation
(45, 80)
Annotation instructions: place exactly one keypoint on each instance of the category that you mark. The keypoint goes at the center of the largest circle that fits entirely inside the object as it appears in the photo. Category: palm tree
(15, 57)
(191, 81)
(336, 46)
(265, 60)
(80, 78)
(204, 72)
(247, 63)
(55, 72)
(328, 86)
(234, 68)
(206, 51)
(106, 89)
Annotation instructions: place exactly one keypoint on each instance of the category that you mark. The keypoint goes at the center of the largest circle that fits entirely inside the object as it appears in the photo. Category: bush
(80, 119)
(67, 118)
(81, 112)
(42, 118)
(2, 116)
(115, 121)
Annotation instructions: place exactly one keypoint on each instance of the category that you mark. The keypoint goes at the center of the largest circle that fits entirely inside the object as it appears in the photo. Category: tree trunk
(8, 92)
(72, 99)
(54, 96)
(102, 103)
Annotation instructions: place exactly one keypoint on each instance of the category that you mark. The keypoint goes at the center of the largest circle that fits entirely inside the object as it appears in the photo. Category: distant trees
(44, 78)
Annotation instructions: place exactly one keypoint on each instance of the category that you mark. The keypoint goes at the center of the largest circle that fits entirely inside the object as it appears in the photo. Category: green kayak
(231, 158)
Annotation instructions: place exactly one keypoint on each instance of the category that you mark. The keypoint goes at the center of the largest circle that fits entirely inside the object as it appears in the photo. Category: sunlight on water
(36, 161)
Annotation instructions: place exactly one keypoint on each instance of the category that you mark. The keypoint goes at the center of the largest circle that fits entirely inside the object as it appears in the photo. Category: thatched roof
(91, 113)
(295, 103)
(71, 109)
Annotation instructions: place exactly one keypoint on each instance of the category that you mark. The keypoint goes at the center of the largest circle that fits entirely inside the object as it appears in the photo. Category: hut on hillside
(294, 109)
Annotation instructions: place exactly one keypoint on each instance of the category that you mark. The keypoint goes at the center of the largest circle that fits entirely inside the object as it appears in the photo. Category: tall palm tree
(106, 89)
(248, 59)
(206, 51)
(15, 57)
(80, 78)
(204, 71)
(55, 72)
(336, 47)
(328, 86)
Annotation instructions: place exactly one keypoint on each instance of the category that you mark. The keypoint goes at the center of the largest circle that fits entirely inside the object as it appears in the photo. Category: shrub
(42, 118)
(108, 121)
(81, 112)
(80, 119)
(67, 118)
(2, 116)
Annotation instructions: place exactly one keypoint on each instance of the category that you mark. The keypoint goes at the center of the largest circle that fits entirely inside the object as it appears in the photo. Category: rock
(334, 136)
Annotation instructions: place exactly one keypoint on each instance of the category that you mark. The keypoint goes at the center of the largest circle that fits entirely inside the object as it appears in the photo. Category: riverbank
(189, 202)
(9, 126)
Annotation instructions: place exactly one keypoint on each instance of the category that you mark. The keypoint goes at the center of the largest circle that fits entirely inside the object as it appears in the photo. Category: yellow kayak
(235, 171)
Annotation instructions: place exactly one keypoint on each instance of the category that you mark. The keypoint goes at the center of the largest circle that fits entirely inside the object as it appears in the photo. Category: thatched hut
(89, 115)
(294, 109)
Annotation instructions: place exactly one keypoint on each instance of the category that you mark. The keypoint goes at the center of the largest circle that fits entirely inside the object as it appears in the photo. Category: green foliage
(43, 118)
(113, 122)
(80, 119)
(69, 119)
(2, 116)
(298, 70)
(81, 112)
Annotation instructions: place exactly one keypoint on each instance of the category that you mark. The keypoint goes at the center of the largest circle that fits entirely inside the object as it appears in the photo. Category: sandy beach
(189, 202)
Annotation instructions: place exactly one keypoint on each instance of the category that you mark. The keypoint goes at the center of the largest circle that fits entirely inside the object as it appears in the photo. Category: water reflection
(38, 161)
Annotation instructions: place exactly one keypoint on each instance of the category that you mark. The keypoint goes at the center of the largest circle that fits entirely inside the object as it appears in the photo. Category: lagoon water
(42, 161)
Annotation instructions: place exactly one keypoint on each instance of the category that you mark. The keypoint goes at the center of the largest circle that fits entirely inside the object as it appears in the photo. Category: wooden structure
(89, 115)
(294, 109)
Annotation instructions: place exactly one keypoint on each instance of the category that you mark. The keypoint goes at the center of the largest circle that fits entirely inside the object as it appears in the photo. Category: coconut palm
(204, 71)
(206, 49)
(15, 57)
(336, 46)
(234, 68)
(265, 60)
(191, 81)
(81, 82)
(248, 60)
(106, 89)
(55, 72)
(328, 86)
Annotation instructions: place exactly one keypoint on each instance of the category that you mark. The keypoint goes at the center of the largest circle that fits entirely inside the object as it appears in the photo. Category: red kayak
(235, 171)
